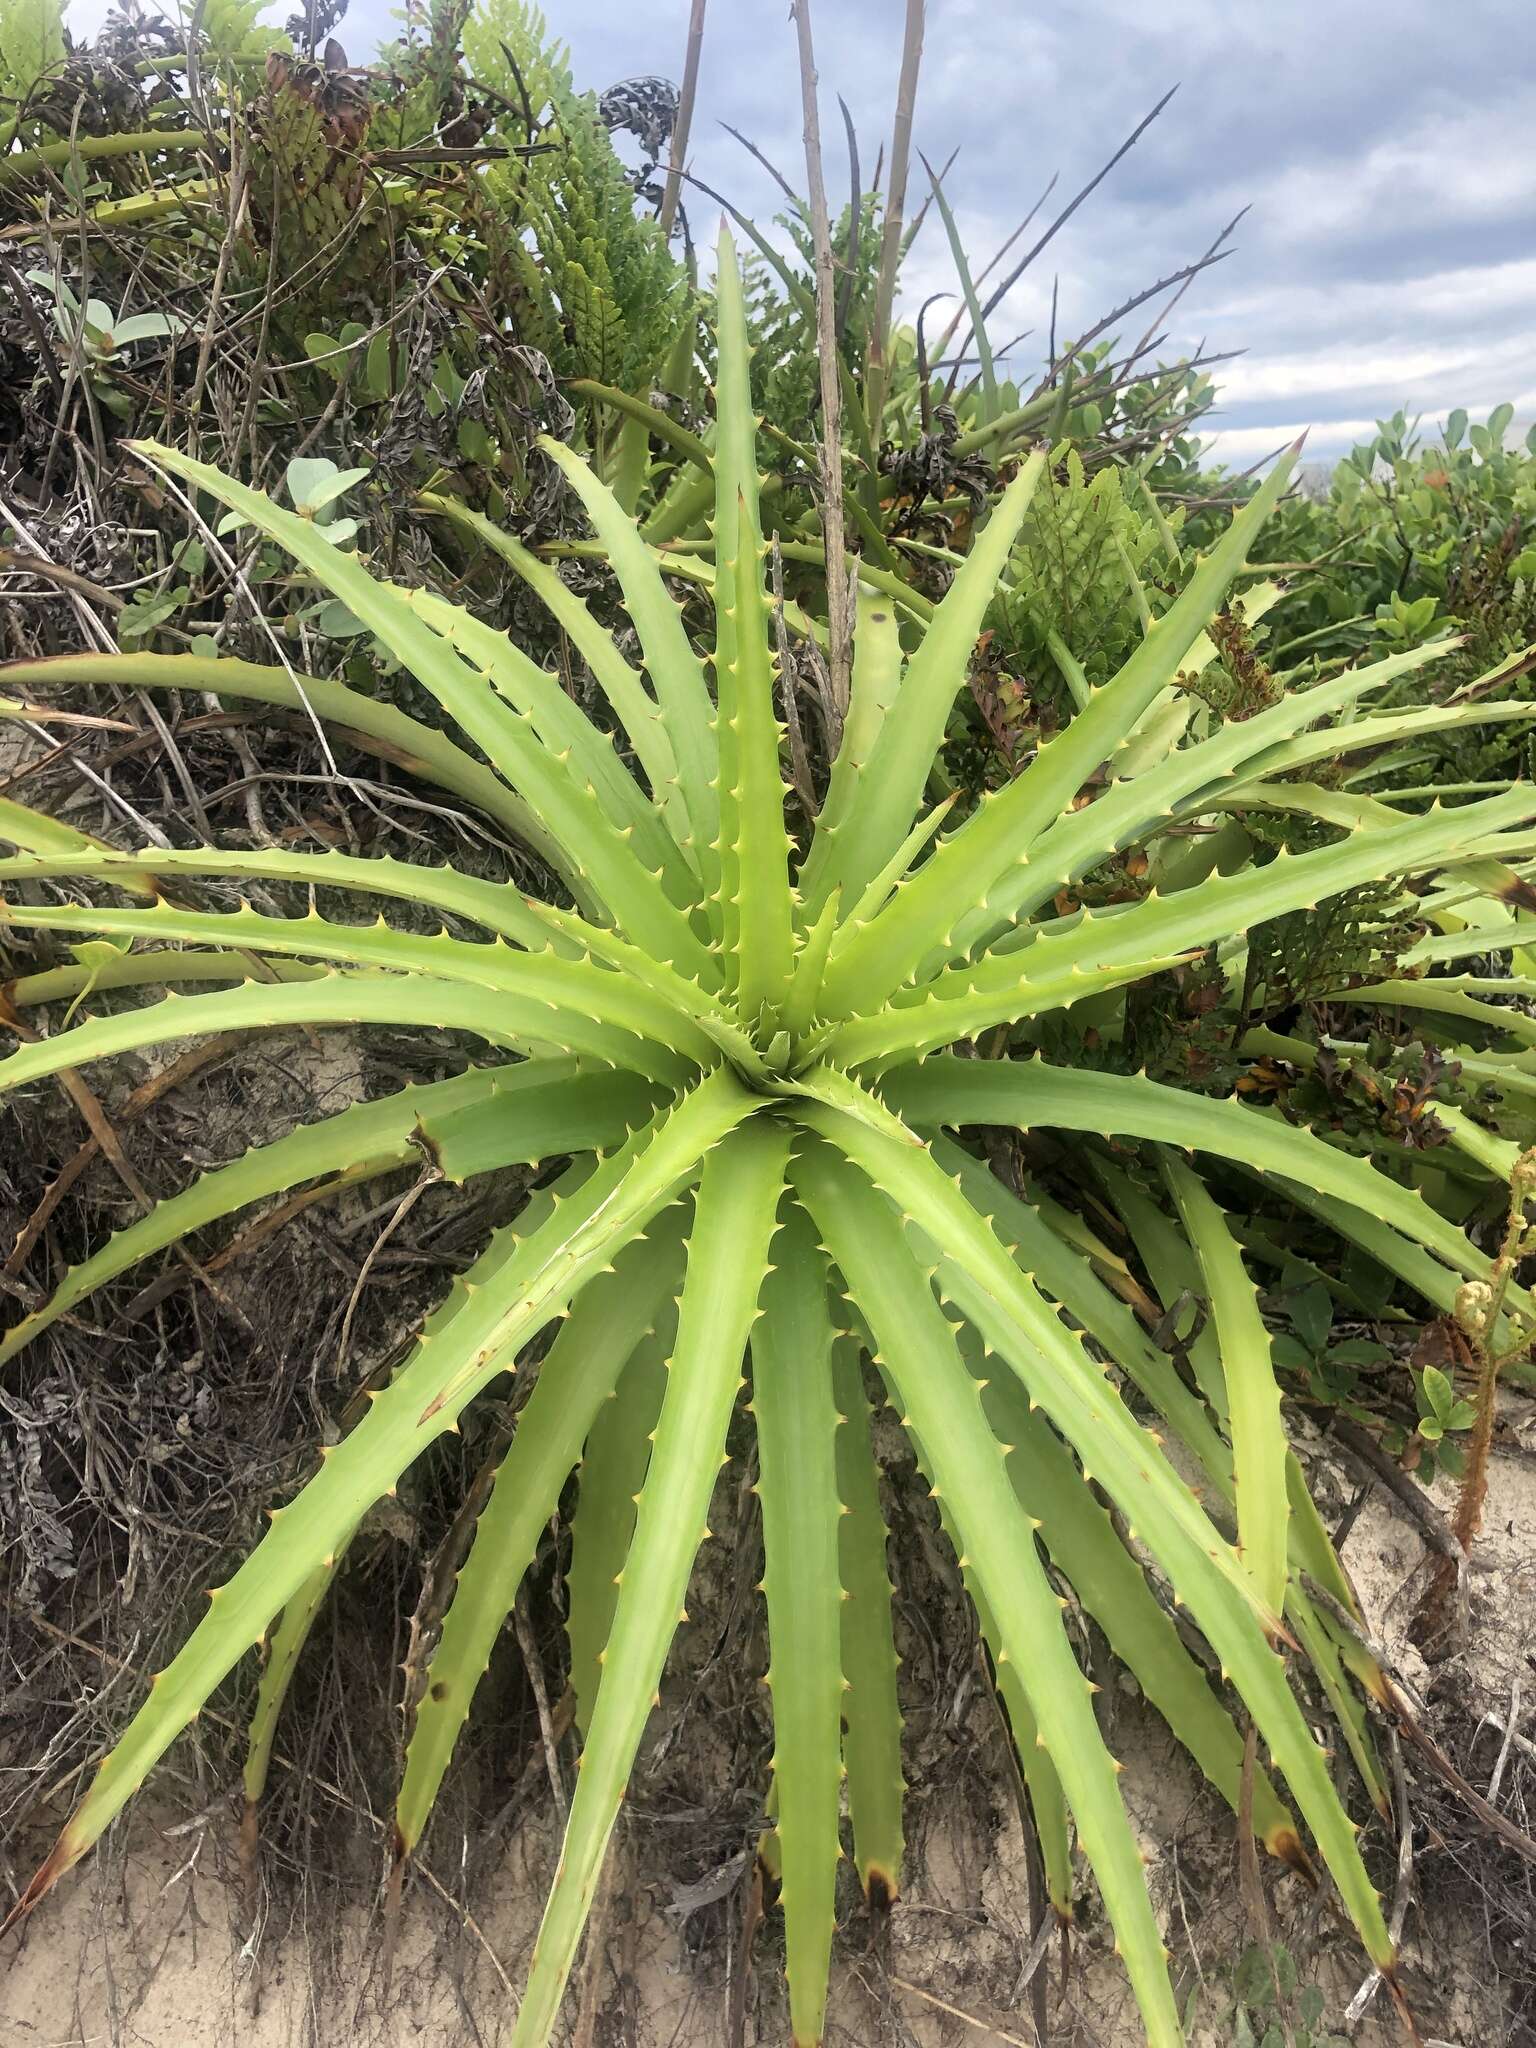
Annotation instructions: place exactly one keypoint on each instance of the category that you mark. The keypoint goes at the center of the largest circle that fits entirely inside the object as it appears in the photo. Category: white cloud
(1358, 369)
(1462, 296)
(1445, 168)
(1334, 368)
(1236, 446)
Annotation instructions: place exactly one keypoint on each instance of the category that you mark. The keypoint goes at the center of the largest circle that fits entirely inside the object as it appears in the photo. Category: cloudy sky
(1387, 149)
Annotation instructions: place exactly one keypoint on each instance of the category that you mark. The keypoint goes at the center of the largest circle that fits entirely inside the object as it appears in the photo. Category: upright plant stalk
(684, 121)
(830, 440)
(895, 206)
(1477, 1312)
(1001, 291)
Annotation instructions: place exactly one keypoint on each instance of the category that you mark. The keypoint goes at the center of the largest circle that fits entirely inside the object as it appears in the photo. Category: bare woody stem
(895, 205)
(684, 121)
(1477, 1329)
(830, 443)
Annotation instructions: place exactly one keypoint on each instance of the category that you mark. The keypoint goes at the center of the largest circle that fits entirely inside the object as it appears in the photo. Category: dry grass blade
(143, 1098)
(684, 121)
(830, 439)
(855, 221)
(1001, 291)
(895, 205)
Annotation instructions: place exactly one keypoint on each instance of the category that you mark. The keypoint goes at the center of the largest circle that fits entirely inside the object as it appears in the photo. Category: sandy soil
(151, 1948)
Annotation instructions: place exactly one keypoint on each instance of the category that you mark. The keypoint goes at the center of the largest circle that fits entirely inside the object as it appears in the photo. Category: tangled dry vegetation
(221, 296)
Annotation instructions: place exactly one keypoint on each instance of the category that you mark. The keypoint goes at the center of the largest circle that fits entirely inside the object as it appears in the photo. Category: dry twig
(830, 440)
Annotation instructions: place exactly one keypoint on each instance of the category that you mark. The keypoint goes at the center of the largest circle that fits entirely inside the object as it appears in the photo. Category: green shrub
(1417, 540)
(744, 1052)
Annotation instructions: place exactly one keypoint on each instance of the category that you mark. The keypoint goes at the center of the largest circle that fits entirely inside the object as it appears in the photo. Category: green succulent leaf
(590, 845)
(967, 867)
(797, 1430)
(965, 1463)
(955, 1092)
(884, 800)
(677, 675)
(873, 685)
(609, 1320)
(1081, 1538)
(516, 1113)
(871, 1710)
(516, 1288)
(636, 709)
(738, 1198)
(420, 748)
(1252, 1391)
(283, 1649)
(529, 1021)
(610, 1478)
(749, 1085)
(1011, 1317)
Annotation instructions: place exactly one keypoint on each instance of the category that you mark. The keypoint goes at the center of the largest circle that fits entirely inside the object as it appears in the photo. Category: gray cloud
(1385, 148)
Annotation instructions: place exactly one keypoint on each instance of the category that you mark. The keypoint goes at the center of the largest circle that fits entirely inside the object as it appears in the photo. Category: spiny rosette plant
(747, 1052)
